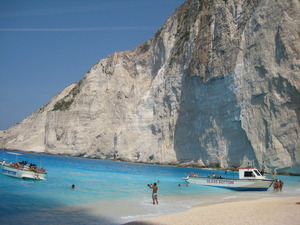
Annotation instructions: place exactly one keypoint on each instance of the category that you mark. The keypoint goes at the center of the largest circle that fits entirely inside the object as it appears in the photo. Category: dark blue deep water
(108, 192)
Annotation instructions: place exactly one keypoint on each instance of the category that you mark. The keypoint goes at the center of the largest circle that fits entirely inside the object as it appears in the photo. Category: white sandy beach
(265, 211)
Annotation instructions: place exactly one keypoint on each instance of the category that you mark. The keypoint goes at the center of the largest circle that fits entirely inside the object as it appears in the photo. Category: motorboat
(249, 179)
(23, 169)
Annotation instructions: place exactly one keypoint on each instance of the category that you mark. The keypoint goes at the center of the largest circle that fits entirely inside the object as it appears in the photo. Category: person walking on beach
(154, 187)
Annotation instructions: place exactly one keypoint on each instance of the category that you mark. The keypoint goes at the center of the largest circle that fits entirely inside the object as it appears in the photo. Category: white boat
(250, 179)
(23, 169)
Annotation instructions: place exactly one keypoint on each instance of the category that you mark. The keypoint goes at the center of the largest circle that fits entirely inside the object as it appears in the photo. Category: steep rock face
(218, 85)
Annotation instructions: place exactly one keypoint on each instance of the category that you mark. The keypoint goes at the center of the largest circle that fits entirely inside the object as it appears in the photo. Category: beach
(114, 193)
(263, 211)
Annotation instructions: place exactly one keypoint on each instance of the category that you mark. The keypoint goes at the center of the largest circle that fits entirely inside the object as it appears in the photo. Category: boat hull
(233, 184)
(22, 173)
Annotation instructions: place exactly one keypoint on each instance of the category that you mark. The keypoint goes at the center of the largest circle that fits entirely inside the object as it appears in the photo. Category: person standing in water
(154, 187)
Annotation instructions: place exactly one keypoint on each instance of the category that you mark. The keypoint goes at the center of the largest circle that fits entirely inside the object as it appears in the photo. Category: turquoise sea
(109, 192)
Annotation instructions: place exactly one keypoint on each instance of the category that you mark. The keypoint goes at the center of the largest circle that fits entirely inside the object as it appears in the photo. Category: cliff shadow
(208, 129)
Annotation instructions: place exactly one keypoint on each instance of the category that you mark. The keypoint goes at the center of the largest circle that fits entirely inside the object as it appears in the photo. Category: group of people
(154, 188)
(192, 174)
(27, 166)
(179, 185)
(278, 184)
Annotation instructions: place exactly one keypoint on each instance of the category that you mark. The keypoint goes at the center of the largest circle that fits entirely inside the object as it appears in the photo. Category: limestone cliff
(218, 85)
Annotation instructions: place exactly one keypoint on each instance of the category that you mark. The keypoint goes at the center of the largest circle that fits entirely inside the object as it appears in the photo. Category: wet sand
(265, 211)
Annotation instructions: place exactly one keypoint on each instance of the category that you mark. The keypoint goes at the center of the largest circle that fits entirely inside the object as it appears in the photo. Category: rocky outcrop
(218, 85)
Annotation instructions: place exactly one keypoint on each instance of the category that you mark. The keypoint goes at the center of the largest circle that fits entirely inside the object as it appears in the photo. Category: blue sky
(45, 45)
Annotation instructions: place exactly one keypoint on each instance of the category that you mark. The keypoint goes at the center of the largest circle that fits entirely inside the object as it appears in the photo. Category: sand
(265, 211)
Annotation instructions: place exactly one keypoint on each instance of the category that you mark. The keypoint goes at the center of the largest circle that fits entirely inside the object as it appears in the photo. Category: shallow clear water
(108, 192)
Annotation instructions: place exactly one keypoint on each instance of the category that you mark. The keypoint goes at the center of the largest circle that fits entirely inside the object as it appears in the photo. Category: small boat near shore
(23, 169)
(250, 179)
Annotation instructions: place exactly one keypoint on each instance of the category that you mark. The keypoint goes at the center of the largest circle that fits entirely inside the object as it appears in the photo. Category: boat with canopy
(22, 168)
(249, 179)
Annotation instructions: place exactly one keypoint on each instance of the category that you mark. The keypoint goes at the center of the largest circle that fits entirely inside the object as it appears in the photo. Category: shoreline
(186, 165)
(261, 211)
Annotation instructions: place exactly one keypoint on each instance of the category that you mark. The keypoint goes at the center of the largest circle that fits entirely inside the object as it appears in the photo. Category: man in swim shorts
(154, 187)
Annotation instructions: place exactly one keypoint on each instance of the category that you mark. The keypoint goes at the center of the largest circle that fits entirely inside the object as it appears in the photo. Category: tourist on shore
(276, 186)
(280, 185)
(154, 187)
